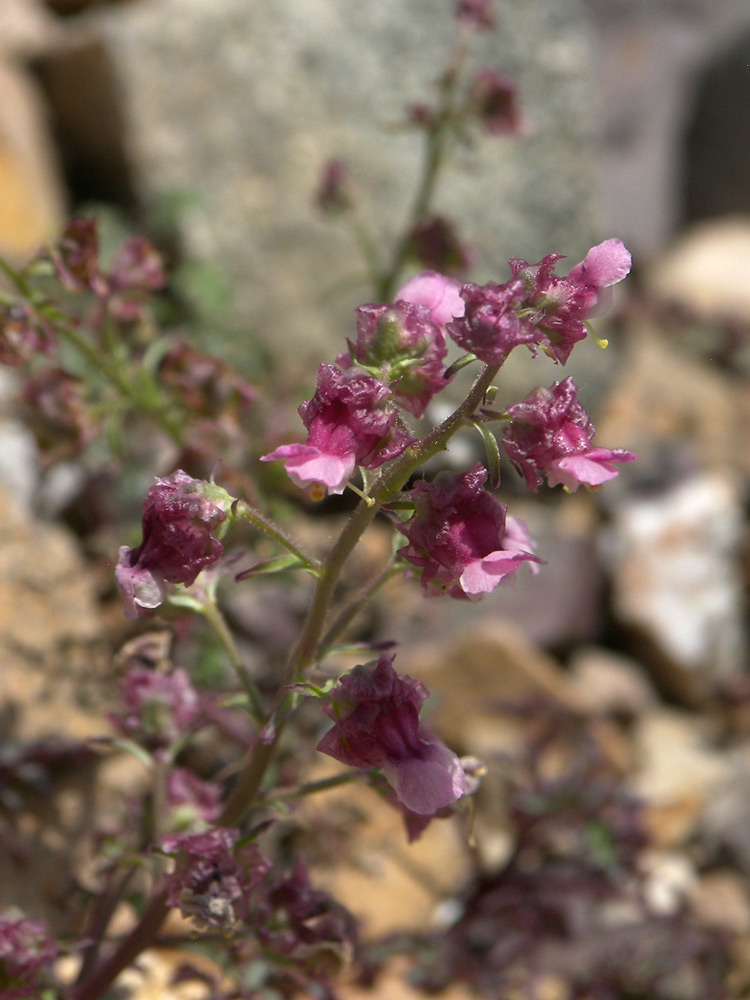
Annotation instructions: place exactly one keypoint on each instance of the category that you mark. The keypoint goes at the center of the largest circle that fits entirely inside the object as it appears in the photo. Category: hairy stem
(215, 618)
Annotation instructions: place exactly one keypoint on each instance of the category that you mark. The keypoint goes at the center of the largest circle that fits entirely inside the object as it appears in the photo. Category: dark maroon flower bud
(435, 243)
(334, 194)
(156, 708)
(24, 334)
(56, 412)
(182, 517)
(376, 724)
(136, 271)
(76, 257)
(304, 924)
(26, 953)
(213, 877)
(461, 537)
(422, 115)
(476, 12)
(351, 421)
(494, 98)
(551, 433)
(204, 385)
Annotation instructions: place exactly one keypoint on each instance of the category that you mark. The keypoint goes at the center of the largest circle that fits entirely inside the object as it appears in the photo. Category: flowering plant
(372, 429)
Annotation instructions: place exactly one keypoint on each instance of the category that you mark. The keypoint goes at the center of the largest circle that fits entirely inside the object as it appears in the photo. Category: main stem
(304, 653)
(306, 650)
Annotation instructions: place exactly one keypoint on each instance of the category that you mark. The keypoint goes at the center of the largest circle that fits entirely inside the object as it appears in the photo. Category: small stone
(608, 683)
(719, 899)
(676, 761)
(707, 272)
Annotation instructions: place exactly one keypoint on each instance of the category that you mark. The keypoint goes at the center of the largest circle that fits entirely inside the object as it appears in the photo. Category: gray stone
(242, 102)
(678, 581)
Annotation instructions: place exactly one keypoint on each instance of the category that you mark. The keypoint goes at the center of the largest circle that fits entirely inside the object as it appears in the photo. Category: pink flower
(460, 536)
(181, 518)
(538, 307)
(551, 433)
(561, 305)
(403, 346)
(491, 325)
(376, 724)
(441, 295)
(350, 421)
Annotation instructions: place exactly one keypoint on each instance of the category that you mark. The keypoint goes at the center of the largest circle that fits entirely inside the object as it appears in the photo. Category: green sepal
(307, 688)
(458, 364)
(492, 449)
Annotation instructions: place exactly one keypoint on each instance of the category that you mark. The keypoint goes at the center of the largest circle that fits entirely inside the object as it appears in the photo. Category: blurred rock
(241, 104)
(26, 29)
(678, 771)
(32, 204)
(677, 583)
(725, 825)
(608, 683)
(707, 271)
(650, 60)
(49, 624)
(675, 412)
(387, 883)
(719, 899)
(476, 671)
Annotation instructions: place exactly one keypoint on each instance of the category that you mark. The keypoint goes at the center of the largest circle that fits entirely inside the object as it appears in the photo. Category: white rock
(678, 578)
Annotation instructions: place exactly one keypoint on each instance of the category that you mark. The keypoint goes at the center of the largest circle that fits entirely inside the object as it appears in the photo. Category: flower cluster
(213, 876)
(537, 307)
(26, 953)
(137, 269)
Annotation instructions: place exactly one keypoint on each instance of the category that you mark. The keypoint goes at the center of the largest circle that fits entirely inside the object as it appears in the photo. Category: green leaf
(278, 564)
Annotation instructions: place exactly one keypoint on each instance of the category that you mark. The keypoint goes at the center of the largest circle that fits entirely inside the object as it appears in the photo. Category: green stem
(216, 620)
(123, 383)
(245, 791)
(352, 609)
(305, 651)
(312, 787)
(437, 137)
(260, 521)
